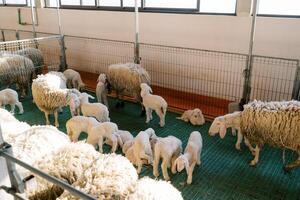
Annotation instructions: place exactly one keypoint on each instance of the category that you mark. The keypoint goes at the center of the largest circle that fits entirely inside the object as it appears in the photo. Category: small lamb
(101, 90)
(153, 102)
(74, 79)
(103, 130)
(79, 124)
(142, 147)
(194, 116)
(97, 110)
(191, 156)
(9, 96)
(121, 136)
(168, 148)
(75, 103)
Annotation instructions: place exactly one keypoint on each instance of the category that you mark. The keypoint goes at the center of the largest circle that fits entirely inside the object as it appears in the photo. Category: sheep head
(218, 126)
(145, 89)
(84, 97)
(181, 162)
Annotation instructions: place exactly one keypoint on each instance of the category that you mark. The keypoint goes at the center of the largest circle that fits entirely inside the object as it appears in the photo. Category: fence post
(248, 70)
(137, 59)
(17, 35)
(296, 86)
(63, 60)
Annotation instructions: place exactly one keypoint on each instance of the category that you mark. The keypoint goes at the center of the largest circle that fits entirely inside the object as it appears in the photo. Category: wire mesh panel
(190, 78)
(272, 78)
(9, 35)
(95, 55)
(25, 35)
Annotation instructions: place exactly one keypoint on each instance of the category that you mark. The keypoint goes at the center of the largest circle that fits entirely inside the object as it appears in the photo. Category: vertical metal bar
(63, 60)
(58, 17)
(33, 18)
(296, 86)
(136, 44)
(17, 35)
(248, 70)
(3, 35)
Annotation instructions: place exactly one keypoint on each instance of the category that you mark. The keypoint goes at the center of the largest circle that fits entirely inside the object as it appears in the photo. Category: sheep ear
(223, 130)
(91, 97)
(186, 166)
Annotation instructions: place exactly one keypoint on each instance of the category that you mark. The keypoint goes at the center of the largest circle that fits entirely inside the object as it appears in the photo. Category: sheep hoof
(287, 171)
(252, 163)
(238, 147)
(189, 182)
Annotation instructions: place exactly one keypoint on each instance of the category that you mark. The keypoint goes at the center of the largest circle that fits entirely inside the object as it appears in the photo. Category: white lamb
(191, 156)
(75, 102)
(142, 147)
(153, 102)
(74, 79)
(101, 89)
(9, 96)
(194, 116)
(103, 130)
(168, 148)
(97, 110)
(79, 124)
(121, 136)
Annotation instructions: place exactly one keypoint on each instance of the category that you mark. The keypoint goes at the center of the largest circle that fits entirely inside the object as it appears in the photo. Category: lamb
(121, 136)
(232, 120)
(101, 90)
(125, 79)
(9, 96)
(191, 156)
(97, 133)
(153, 102)
(233, 107)
(75, 102)
(168, 148)
(74, 79)
(79, 124)
(50, 95)
(195, 117)
(142, 147)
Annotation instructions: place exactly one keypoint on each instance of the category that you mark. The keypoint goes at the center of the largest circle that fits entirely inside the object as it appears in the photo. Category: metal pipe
(136, 44)
(296, 86)
(12, 192)
(33, 18)
(248, 70)
(58, 18)
(51, 179)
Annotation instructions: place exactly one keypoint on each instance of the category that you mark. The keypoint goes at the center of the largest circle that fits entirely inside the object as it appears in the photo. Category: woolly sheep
(191, 156)
(153, 102)
(9, 96)
(101, 89)
(168, 148)
(97, 110)
(142, 147)
(194, 116)
(97, 133)
(74, 79)
(78, 124)
(49, 94)
(6, 116)
(149, 189)
(125, 79)
(232, 120)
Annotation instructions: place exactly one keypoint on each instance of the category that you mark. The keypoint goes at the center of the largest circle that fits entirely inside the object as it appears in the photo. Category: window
(70, 2)
(111, 3)
(279, 7)
(15, 2)
(130, 3)
(1, 2)
(217, 6)
(178, 4)
(51, 3)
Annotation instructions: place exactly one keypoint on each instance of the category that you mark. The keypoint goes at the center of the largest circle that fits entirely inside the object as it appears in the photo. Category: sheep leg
(114, 145)
(164, 167)
(292, 165)
(155, 164)
(12, 108)
(161, 117)
(190, 173)
(233, 131)
(173, 166)
(47, 118)
(249, 146)
(104, 99)
(56, 119)
(256, 157)
(20, 106)
(100, 144)
(148, 110)
(199, 158)
(239, 140)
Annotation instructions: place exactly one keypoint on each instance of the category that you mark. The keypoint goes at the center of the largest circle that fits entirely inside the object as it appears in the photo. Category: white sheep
(194, 116)
(75, 102)
(125, 79)
(232, 120)
(78, 124)
(9, 96)
(168, 149)
(153, 102)
(121, 136)
(101, 90)
(97, 110)
(191, 156)
(142, 147)
(74, 79)
(97, 133)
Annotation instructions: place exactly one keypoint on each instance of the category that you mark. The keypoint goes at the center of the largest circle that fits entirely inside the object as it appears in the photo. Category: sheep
(97, 133)
(16, 69)
(153, 102)
(168, 148)
(149, 189)
(125, 79)
(232, 120)
(6, 116)
(74, 79)
(195, 117)
(97, 110)
(273, 123)
(191, 156)
(233, 107)
(9, 96)
(78, 124)
(121, 136)
(49, 94)
(75, 102)
(142, 147)
(101, 89)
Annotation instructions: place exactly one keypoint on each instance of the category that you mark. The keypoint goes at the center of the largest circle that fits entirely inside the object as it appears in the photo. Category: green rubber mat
(224, 172)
